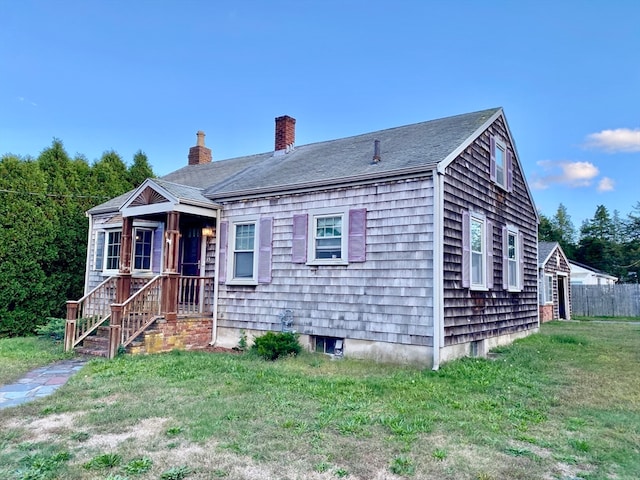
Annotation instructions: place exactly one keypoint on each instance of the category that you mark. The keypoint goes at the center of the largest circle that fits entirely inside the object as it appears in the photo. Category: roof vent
(376, 151)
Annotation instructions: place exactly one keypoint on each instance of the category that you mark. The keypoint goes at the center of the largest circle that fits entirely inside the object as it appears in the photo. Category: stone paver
(39, 382)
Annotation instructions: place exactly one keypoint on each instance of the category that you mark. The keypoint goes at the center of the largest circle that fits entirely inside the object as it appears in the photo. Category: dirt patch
(44, 429)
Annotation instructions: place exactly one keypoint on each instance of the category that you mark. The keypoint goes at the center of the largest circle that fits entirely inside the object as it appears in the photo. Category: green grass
(19, 355)
(605, 319)
(561, 404)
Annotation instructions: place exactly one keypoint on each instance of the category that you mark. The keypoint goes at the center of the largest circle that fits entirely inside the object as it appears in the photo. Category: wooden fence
(621, 300)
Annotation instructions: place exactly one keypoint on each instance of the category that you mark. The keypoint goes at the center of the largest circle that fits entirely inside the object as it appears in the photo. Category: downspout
(89, 249)
(438, 265)
(216, 283)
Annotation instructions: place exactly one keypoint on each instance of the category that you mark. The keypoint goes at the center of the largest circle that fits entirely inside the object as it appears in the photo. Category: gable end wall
(477, 315)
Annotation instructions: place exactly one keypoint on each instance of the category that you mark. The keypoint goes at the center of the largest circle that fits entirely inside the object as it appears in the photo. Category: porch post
(70, 325)
(123, 285)
(171, 280)
(115, 329)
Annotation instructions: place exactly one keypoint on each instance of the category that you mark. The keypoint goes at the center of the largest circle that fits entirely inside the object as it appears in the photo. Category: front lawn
(564, 404)
(19, 355)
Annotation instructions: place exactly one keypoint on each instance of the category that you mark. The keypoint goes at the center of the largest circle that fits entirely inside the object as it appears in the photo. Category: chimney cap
(200, 136)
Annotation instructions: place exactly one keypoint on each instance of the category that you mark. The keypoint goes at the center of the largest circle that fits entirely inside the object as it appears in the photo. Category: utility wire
(53, 195)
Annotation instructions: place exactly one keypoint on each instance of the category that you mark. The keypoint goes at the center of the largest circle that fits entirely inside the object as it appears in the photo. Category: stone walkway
(39, 383)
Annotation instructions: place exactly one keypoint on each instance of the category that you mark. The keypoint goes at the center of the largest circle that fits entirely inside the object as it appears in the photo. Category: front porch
(163, 245)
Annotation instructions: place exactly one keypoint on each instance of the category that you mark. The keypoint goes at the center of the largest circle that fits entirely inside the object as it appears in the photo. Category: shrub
(272, 345)
(53, 329)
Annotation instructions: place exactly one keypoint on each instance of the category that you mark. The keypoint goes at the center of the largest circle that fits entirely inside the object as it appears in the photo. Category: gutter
(438, 265)
(216, 284)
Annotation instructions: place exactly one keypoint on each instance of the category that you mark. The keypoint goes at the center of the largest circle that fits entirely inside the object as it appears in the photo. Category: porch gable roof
(161, 196)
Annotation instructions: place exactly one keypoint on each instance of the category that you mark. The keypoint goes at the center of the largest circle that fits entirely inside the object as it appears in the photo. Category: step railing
(87, 314)
(136, 314)
(84, 316)
(195, 295)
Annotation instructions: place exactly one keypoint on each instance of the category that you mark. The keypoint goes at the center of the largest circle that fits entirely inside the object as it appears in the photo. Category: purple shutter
(156, 255)
(492, 155)
(466, 250)
(509, 171)
(264, 252)
(222, 257)
(358, 235)
(521, 262)
(489, 254)
(505, 258)
(299, 245)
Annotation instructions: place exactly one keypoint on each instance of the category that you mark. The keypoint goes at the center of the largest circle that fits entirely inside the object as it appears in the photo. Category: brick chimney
(285, 134)
(199, 154)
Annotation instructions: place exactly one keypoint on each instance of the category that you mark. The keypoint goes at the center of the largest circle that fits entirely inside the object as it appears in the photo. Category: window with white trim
(243, 237)
(500, 155)
(512, 260)
(548, 288)
(112, 250)
(478, 249)
(328, 237)
(142, 248)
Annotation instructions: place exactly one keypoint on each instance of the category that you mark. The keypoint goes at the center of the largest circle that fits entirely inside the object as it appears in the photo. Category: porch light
(207, 231)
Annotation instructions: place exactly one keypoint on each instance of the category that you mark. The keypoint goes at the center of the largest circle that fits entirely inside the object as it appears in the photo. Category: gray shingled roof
(419, 146)
(184, 193)
(544, 250)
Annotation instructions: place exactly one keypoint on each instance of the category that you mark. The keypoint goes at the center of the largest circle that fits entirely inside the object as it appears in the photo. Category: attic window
(501, 164)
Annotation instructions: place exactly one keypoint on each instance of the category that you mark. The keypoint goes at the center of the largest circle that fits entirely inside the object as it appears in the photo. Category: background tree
(43, 228)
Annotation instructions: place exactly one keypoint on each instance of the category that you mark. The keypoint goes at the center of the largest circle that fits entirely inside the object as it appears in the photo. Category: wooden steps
(96, 345)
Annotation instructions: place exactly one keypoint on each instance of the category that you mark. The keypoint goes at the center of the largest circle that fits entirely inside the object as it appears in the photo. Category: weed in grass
(176, 473)
(321, 467)
(138, 466)
(80, 436)
(580, 445)
(341, 472)
(439, 454)
(42, 466)
(402, 466)
(105, 460)
(484, 476)
(112, 476)
(519, 452)
(173, 431)
(219, 473)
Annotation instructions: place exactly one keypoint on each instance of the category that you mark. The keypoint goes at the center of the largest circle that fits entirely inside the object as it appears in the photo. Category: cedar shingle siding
(474, 315)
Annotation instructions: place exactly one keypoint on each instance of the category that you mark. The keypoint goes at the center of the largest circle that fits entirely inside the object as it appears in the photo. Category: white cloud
(606, 184)
(571, 174)
(618, 140)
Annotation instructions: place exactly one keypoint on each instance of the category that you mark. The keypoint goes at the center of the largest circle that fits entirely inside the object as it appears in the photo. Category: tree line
(607, 241)
(43, 228)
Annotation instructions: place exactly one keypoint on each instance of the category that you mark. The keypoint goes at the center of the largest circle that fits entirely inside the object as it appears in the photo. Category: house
(415, 244)
(554, 276)
(582, 274)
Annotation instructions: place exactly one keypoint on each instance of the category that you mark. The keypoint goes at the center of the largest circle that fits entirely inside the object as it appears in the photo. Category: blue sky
(130, 75)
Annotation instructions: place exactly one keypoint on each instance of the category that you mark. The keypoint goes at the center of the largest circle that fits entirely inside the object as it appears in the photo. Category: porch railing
(139, 311)
(94, 309)
(195, 295)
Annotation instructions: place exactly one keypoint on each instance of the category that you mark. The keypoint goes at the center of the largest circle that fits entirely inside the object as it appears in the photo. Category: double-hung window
(501, 166)
(478, 247)
(477, 251)
(512, 260)
(548, 288)
(142, 248)
(245, 251)
(328, 237)
(107, 256)
(244, 236)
